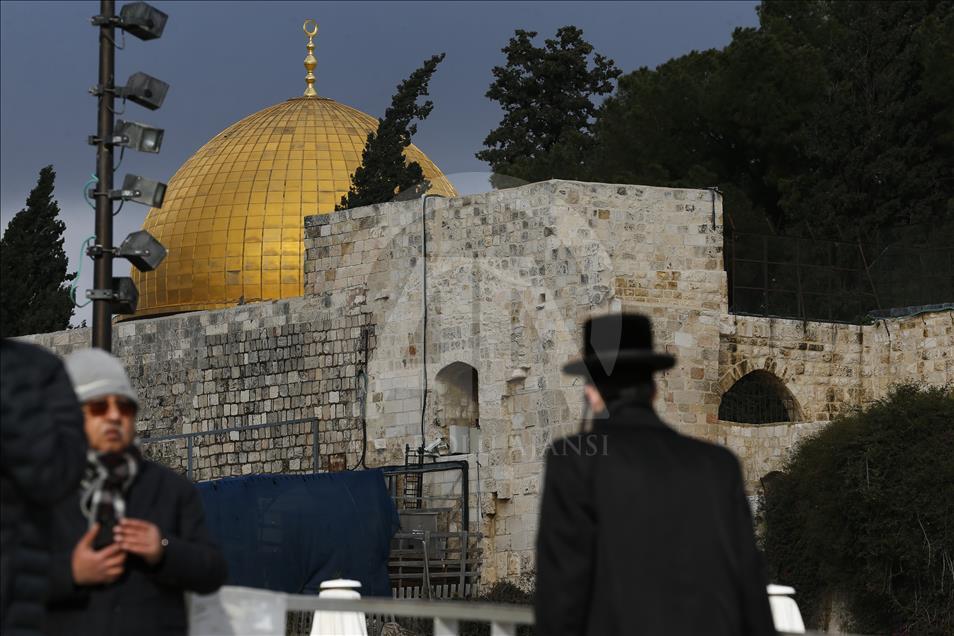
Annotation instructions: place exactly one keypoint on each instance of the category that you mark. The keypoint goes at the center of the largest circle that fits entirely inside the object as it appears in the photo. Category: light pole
(118, 295)
(103, 257)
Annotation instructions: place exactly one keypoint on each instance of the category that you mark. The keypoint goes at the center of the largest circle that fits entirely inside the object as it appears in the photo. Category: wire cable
(424, 316)
(79, 270)
(122, 153)
(118, 112)
(113, 41)
(86, 186)
(362, 390)
(122, 202)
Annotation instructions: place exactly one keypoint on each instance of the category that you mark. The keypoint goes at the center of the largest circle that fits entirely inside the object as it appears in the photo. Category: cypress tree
(34, 290)
(384, 173)
(547, 94)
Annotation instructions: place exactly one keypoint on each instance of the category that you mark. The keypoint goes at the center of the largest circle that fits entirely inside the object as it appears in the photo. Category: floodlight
(141, 190)
(125, 295)
(142, 250)
(145, 90)
(141, 137)
(142, 20)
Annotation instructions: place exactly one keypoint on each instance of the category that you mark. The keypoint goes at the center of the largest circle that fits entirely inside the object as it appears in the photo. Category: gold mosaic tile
(233, 216)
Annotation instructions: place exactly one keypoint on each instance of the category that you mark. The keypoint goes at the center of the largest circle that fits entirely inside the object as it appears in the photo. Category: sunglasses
(126, 408)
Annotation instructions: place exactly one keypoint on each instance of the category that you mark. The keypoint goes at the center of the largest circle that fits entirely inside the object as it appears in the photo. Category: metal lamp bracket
(99, 90)
(101, 294)
(118, 140)
(101, 20)
(95, 251)
(123, 194)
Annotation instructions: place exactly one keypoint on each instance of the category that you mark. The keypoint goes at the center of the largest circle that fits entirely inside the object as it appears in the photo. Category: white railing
(447, 615)
(252, 612)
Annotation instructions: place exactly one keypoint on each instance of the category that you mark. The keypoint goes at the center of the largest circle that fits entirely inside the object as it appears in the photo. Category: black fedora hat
(618, 343)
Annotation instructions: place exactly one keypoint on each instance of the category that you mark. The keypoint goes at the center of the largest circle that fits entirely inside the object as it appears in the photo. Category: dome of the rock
(233, 214)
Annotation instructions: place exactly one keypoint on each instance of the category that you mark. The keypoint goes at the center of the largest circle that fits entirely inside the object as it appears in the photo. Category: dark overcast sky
(226, 60)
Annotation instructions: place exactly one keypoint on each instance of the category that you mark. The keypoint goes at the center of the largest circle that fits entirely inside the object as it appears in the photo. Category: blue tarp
(289, 533)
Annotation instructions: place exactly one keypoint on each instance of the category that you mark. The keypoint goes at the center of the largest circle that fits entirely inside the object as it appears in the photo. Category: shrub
(863, 512)
(500, 592)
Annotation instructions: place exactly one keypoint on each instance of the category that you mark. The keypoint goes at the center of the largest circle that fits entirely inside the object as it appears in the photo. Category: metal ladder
(413, 482)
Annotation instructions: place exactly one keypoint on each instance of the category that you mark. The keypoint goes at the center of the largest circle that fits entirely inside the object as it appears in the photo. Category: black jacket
(145, 600)
(42, 456)
(646, 531)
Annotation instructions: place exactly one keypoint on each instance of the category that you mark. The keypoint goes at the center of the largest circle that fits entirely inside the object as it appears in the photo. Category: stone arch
(746, 366)
(455, 394)
(758, 397)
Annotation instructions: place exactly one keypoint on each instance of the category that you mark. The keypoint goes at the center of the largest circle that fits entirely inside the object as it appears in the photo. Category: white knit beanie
(96, 374)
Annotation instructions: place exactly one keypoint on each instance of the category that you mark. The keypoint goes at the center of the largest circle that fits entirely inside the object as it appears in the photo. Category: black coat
(646, 531)
(145, 600)
(42, 457)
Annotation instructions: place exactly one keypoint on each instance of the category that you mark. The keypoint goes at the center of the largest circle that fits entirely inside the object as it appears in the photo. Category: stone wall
(266, 363)
(828, 368)
(510, 277)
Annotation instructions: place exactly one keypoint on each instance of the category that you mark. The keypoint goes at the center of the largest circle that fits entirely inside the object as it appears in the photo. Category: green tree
(384, 173)
(877, 139)
(711, 118)
(863, 513)
(33, 275)
(547, 95)
(832, 119)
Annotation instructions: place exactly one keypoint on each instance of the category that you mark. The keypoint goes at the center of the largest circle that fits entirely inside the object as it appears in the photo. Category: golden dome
(233, 213)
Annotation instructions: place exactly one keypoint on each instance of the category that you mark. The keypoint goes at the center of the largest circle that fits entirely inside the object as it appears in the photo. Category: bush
(500, 592)
(863, 513)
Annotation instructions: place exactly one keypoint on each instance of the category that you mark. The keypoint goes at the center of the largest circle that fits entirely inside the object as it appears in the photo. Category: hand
(141, 538)
(95, 567)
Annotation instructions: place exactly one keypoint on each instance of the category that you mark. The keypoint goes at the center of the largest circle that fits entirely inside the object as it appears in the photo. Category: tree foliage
(864, 513)
(546, 94)
(384, 173)
(33, 275)
(831, 119)
(501, 592)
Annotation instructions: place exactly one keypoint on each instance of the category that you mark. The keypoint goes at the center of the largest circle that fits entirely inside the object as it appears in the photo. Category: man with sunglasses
(132, 539)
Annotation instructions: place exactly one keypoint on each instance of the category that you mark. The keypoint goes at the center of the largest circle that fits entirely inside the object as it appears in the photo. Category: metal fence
(446, 618)
(233, 434)
(429, 559)
(435, 555)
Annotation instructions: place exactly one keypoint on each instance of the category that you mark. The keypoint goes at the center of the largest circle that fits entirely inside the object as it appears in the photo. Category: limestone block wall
(510, 278)
(234, 368)
(829, 368)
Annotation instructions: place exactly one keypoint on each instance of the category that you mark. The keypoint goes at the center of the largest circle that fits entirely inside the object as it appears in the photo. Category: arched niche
(456, 396)
(759, 397)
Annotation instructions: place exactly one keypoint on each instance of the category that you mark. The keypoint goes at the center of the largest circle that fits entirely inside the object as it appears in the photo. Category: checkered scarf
(108, 477)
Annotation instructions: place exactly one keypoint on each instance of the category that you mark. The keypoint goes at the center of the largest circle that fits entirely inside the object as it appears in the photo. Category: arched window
(758, 397)
(456, 393)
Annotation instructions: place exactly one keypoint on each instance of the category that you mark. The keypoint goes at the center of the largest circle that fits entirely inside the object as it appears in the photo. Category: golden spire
(310, 61)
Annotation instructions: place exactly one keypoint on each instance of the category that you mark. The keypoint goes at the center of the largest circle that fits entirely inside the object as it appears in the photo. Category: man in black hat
(642, 530)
